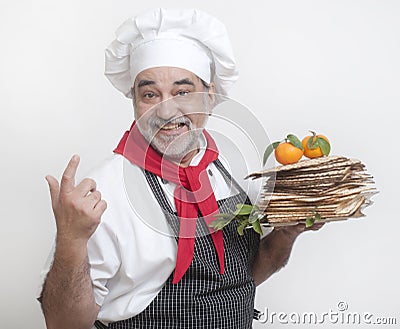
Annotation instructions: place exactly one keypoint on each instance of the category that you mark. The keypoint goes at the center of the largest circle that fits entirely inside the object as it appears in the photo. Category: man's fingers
(85, 186)
(93, 198)
(100, 207)
(68, 178)
(54, 189)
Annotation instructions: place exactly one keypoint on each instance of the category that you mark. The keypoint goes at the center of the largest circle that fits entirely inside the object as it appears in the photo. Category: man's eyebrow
(185, 81)
(143, 83)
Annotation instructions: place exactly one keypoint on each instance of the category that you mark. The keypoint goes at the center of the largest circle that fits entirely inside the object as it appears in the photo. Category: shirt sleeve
(104, 260)
(43, 273)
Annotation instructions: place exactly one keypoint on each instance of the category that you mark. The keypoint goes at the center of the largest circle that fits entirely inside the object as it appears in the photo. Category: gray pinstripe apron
(204, 299)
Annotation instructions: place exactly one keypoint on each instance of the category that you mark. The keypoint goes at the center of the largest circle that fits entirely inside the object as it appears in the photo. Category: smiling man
(172, 106)
(133, 246)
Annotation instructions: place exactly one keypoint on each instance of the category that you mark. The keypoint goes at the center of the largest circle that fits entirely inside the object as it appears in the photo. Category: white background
(330, 66)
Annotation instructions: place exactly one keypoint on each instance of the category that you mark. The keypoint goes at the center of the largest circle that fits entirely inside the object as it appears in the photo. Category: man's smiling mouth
(172, 126)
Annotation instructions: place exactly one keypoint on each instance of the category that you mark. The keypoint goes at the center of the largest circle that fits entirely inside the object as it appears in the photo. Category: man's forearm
(67, 296)
(273, 254)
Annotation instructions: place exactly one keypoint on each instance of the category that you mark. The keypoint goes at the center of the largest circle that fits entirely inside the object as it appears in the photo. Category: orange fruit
(287, 153)
(313, 153)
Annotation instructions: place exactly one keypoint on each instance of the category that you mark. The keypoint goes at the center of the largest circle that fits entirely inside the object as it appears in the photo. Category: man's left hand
(296, 230)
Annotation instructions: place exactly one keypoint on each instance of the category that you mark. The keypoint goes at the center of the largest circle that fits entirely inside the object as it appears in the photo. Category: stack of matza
(331, 187)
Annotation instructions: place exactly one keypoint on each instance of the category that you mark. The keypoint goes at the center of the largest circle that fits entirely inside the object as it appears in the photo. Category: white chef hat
(189, 39)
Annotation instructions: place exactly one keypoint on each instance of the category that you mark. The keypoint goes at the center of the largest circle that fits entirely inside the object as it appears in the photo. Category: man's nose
(167, 109)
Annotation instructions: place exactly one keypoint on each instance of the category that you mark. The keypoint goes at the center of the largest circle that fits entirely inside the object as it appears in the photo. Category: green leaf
(253, 218)
(220, 223)
(294, 141)
(324, 145)
(269, 150)
(243, 209)
(317, 217)
(257, 227)
(217, 224)
(311, 143)
(245, 214)
(223, 215)
(241, 226)
(309, 221)
(311, 140)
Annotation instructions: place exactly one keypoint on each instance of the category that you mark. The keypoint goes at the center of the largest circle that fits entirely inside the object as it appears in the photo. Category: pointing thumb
(54, 188)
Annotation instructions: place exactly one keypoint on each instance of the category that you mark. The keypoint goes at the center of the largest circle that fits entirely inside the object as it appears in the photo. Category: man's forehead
(165, 75)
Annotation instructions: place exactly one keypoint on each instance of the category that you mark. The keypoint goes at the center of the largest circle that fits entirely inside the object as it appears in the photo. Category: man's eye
(148, 95)
(182, 92)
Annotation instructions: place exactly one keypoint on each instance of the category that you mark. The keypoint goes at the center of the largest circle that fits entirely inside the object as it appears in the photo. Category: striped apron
(204, 298)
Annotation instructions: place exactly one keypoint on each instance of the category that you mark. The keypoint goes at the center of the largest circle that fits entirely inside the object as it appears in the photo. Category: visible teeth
(171, 126)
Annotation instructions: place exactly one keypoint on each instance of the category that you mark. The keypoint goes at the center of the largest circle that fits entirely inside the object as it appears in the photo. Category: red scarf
(193, 192)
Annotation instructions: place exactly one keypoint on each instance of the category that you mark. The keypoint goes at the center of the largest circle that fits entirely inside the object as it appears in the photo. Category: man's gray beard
(172, 147)
(175, 148)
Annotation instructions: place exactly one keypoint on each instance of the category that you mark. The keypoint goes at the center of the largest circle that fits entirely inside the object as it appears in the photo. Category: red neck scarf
(193, 192)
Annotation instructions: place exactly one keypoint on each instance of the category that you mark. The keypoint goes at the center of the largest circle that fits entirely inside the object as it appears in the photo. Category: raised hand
(77, 209)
